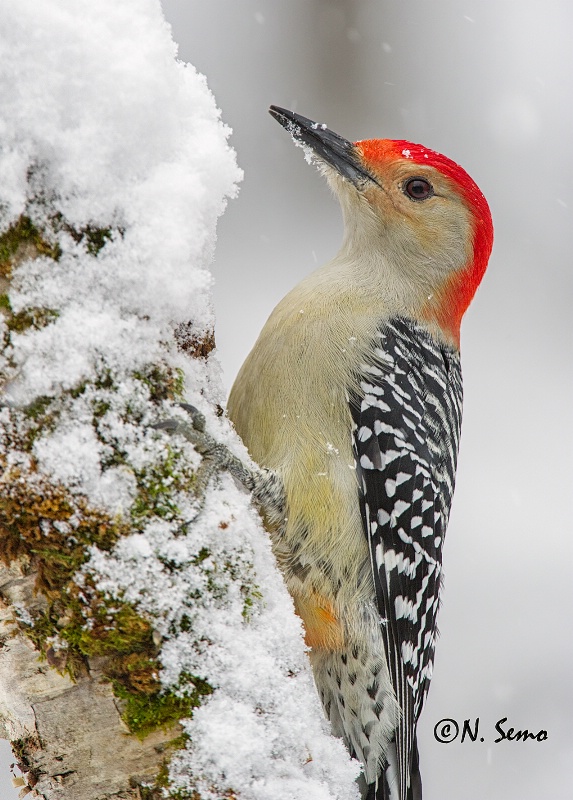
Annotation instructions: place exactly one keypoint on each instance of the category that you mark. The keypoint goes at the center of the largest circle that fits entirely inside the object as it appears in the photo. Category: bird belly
(298, 424)
(323, 552)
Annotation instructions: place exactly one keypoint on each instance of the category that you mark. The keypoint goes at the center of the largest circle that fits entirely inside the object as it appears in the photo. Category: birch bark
(68, 737)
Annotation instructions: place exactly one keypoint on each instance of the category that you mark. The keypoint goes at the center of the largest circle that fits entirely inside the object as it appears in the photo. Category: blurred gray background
(490, 85)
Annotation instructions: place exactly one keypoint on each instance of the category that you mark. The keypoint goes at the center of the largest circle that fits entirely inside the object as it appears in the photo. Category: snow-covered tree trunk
(148, 647)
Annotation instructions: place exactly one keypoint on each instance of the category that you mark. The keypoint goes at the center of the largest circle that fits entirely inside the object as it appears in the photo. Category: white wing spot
(383, 517)
(389, 558)
(399, 507)
(404, 608)
(364, 434)
(402, 477)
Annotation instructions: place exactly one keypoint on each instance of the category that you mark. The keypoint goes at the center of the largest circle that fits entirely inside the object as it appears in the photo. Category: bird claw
(197, 418)
(169, 425)
(194, 433)
(266, 487)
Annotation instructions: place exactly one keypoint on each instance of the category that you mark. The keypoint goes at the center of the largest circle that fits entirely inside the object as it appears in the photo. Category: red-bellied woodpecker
(352, 396)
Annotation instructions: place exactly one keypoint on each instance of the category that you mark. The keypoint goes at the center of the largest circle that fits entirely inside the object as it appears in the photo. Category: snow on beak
(327, 145)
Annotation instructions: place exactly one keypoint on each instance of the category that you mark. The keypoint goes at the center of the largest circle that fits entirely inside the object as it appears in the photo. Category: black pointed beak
(327, 145)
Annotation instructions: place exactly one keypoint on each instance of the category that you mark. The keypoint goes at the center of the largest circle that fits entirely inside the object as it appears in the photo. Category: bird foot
(265, 485)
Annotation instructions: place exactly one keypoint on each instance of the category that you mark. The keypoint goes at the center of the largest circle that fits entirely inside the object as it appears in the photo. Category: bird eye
(418, 189)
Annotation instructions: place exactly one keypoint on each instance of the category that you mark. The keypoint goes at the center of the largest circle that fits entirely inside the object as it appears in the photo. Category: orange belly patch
(323, 629)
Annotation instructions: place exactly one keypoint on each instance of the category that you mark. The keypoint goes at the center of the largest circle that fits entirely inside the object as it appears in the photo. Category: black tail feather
(387, 786)
(415, 792)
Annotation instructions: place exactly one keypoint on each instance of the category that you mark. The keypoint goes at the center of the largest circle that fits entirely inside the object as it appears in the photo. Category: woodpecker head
(409, 210)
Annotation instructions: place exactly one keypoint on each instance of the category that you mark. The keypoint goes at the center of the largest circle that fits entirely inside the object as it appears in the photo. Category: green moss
(163, 382)
(91, 237)
(96, 239)
(162, 779)
(31, 318)
(115, 628)
(38, 407)
(158, 790)
(105, 380)
(145, 713)
(41, 417)
(23, 240)
(252, 595)
(179, 384)
(157, 486)
(147, 792)
(23, 750)
(20, 747)
(35, 522)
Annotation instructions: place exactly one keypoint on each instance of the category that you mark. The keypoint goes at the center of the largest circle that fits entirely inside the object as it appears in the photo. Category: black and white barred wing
(407, 419)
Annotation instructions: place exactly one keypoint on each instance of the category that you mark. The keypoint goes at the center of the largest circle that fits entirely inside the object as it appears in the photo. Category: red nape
(462, 286)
